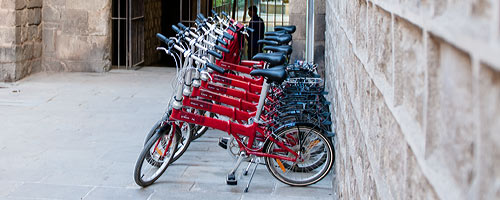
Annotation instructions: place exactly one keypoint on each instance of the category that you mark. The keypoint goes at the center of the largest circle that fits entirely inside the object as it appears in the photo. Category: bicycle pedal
(223, 142)
(231, 179)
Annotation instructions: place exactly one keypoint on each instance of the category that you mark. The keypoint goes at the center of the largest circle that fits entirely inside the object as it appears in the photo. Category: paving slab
(78, 135)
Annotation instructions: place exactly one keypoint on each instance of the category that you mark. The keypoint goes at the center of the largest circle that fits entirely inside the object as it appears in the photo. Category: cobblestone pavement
(78, 135)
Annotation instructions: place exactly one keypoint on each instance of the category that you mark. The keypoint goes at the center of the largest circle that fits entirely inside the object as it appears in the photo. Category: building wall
(416, 92)
(20, 38)
(298, 17)
(76, 35)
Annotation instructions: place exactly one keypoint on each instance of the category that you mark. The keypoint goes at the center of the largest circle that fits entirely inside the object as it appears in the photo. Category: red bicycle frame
(236, 130)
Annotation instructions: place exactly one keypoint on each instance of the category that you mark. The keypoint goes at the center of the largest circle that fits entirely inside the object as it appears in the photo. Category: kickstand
(248, 167)
(257, 161)
(231, 177)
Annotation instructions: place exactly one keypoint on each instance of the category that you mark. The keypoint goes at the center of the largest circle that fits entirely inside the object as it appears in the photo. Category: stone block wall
(20, 38)
(416, 91)
(76, 35)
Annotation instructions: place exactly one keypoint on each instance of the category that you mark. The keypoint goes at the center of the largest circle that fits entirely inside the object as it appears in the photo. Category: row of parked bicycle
(274, 111)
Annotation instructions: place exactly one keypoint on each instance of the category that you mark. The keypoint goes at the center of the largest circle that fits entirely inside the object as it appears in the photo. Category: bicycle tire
(146, 154)
(185, 139)
(276, 166)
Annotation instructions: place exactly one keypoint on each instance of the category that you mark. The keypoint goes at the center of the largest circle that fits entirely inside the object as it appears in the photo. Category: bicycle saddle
(282, 32)
(274, 59)
(268, 42)
(276, 74)
(287, 49)
(289, 29)
(282, 39)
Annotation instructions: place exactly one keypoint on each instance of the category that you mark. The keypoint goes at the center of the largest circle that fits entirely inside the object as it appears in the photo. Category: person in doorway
(257, 24)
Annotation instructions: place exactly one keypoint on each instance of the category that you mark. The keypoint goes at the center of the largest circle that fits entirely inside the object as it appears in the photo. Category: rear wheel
(316, 156)
(155, 157)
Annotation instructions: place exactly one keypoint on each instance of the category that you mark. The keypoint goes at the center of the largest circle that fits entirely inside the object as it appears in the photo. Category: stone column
(20, 38)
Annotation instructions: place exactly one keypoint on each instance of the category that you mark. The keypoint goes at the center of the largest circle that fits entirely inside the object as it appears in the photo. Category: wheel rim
(160, 152)
(183, 141)
(315, 156)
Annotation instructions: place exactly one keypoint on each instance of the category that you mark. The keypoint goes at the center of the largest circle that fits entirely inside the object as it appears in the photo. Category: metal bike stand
(257, 162)
(231, 177)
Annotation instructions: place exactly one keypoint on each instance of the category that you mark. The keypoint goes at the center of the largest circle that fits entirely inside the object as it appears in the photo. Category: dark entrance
(134, 29)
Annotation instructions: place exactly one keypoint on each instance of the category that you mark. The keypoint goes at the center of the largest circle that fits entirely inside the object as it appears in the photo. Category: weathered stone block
(7, 35)
(70, 47)
(34, 16)
(20, 4)
(297, 7)
(489, 96)
(35, 3)
(7, 4)
(75, 22)
(21, 34)
(7, 54)
(380, 44)
(37, 50)
(8, 17)
(299, 20)
(49, 40)
(89, 5)
(24, 52)
(98, 23)
(409, 69)
(21, 17)
(450, 137)
(361, 25)
(418, 187)
(319, 28)
(392, 154)
(51, 14)
(7, 72)
(299, 49)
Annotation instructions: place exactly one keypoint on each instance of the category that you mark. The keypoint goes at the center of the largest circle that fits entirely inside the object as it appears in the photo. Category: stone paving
(78, 135)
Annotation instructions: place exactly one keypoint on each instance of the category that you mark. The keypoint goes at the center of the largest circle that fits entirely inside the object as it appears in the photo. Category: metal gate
(130, 39)
(273, 12)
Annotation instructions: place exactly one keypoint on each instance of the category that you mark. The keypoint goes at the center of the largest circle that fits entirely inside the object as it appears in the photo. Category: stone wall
(76, 35)
(298, 17)
(416, 92)
(20, 38)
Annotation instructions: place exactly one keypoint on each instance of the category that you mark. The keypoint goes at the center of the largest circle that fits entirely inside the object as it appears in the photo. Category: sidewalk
(78, 135)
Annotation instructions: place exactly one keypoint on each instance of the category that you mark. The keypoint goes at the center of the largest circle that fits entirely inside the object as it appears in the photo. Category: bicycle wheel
(152, 131)
(155, 157)
(186, 135)
(316, 156)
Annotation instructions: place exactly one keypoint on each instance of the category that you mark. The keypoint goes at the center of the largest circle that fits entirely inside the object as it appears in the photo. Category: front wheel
(315, 160)
(155, 157)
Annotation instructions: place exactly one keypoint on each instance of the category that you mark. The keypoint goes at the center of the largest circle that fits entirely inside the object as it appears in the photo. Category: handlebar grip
(221, 49)
(198, 22)
(228, 36)
(162, 38)
(215, 54)
(216, 68)
(225, 14)
(232, 29)
(250, 29)
(214, 13)
(176, 29)
(221, 41)
(182, 26)
(202, 17)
